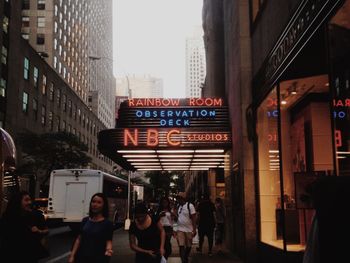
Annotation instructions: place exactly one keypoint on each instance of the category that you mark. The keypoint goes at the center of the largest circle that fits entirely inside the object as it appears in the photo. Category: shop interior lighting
(208, 160)
(274, 151)
(283, 101)
(343, 152)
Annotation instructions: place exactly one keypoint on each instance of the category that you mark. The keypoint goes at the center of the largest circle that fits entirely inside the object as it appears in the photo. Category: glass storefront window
(269, 169)
(339, 39)
(305, 134)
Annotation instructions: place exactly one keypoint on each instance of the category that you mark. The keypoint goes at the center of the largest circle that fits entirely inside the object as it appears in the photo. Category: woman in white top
(166, 218)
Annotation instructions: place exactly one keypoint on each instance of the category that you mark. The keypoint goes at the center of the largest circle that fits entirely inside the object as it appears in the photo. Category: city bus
(70, 192)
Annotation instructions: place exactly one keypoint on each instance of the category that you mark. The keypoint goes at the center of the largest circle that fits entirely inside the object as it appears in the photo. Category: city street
(61, 239)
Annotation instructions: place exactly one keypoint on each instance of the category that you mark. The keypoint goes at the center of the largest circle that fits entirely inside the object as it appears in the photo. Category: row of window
(54, 122)
(40, 4)
(61, 99)
(40, 21)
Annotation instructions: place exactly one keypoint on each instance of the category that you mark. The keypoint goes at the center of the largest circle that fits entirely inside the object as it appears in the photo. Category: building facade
(195, 64)
(39, 100)
(134, 86)
(286, 81)
(64, 33)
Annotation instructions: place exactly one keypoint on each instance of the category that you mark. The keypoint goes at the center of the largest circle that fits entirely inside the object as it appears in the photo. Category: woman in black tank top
(150, 237)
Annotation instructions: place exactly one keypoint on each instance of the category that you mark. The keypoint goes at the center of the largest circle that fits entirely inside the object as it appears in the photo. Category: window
(2, 87)
(51, 120)
(26, 68)
(44, 86)
(338, 32)
(64, 124)
(55, 62)
(40, 39)
(25, 102)
(55, 27)
(269, 166)
(58, 94)
(51, 92)
(41, 4)
(5, 24)
(74, 111)
(70, 107)
(36, 77)
(64, 102)
(56, 10)
(25, 4)
(58, 124)
(4, 55)
(35, 109)
(41, 21)
(25, 36)
(43, 115)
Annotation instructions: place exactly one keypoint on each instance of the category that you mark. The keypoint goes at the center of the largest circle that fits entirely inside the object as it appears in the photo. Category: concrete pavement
(123, 253)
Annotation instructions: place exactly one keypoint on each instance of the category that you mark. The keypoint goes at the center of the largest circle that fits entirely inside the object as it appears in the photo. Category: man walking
(206, 223)
(186, 226)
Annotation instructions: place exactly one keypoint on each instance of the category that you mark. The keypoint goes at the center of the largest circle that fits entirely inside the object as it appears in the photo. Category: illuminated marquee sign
(158, 122)
(166, 113)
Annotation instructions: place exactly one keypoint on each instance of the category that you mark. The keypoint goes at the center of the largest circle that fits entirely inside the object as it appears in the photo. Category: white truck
(71, 190)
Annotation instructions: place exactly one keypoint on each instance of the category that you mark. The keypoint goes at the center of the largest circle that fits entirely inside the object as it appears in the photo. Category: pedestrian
(20, 232)
(149, 234)
(206, 223)
(186, 226)
(166, 216)
(220, 224)
(94, 242)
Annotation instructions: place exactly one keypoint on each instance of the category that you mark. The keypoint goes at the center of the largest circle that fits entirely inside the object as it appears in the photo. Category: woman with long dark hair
(19, 233)
(94, 243)
(149, 234)
(166, 217)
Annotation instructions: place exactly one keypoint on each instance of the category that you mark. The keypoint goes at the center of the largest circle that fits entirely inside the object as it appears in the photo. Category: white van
(71, 191)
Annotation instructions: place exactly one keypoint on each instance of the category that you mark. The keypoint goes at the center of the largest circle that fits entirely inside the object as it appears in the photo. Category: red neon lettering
(338, 138)
(131, 102)
(271, 102)
(217, 102)
(170, 141)
(339, 103)
(152, 137)
(347, 103)
(192, 102)
(128, 135)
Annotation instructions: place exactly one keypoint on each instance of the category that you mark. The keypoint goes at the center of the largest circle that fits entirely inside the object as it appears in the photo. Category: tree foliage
(166, 183)
(48, 151)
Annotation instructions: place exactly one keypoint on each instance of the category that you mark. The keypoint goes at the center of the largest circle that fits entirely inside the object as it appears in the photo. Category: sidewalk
(123, 253)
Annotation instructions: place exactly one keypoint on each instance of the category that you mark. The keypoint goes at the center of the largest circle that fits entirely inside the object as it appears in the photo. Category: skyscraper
(140, 87)
(75, 38)
(195, 64)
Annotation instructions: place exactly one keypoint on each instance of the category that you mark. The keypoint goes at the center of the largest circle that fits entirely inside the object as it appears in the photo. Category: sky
(149, 38)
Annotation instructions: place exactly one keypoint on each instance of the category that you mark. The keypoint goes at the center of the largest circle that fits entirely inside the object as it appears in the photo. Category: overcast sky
(150, 36)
